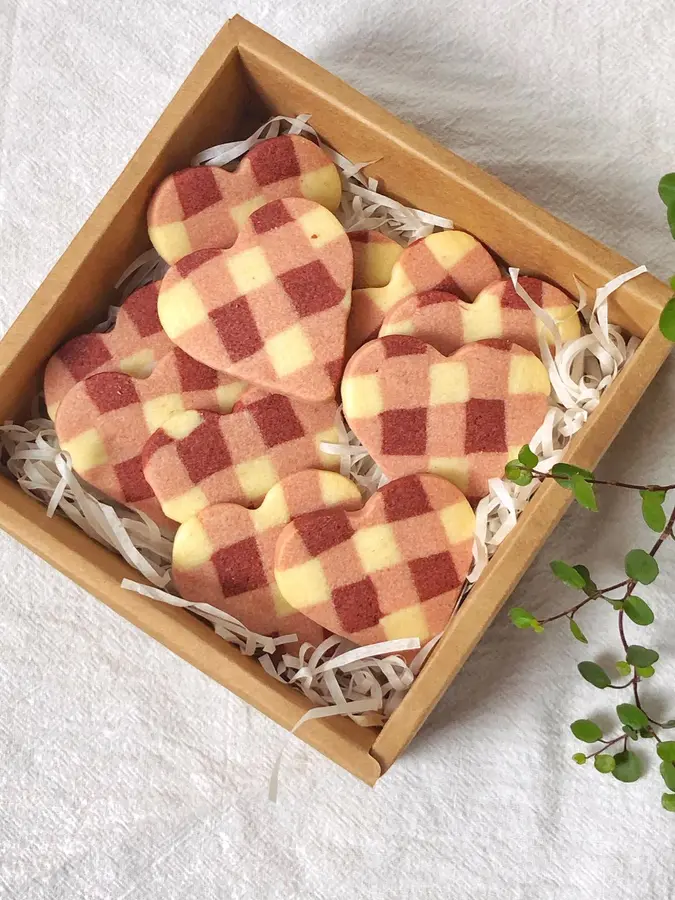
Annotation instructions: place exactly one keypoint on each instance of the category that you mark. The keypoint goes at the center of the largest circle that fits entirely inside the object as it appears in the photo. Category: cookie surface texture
(447, 323)
(205, 207)
(463, 417)
(392, 570)
(224, 555)
(200, 458)
(446, 261)
(272, 310)
(133, 346)
(374, 257)
(105, 420)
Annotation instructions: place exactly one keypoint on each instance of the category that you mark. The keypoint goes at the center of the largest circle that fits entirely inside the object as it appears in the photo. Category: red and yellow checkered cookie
(447, 323)
(225, 554)
(133, 346)
(462, 416)
(105, 420)
(446, 261)
(205, 207)
(273, 309)
(392, 570)
(199, 458)
(374, 257)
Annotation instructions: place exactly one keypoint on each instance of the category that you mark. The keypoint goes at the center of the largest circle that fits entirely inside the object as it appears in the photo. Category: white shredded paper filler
(364, 683)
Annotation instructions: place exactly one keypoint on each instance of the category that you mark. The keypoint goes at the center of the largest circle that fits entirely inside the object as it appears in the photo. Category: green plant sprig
(667, 195)
(641, 567)
(638, 662)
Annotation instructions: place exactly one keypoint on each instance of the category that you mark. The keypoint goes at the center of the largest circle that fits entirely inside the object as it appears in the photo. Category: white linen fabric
(126, 773)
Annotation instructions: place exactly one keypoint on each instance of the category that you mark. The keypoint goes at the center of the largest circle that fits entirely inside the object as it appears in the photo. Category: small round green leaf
(667, 320)
(627, 766)
(564, 471)
(670, 216)
(577, 632)
(527, 457)
(669, 724)
(631, 732)
(623, 668)
(604, 763)
(641, 656)
(666, 751)
(668, 802)
(646, 732)
(585, 730)
(590, 587)
(667, 770)
(638, 611)
(645, 671)
(617, 604)
(667, 188)
(652, 509)
(579, 758)
(632, 716)
(594, 674)
(640, 566)
(516, 473)
(521, 618)
(567, 574)
(567, 469)
(583, 492)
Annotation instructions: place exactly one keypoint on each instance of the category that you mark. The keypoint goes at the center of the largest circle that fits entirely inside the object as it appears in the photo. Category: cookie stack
(212, 403)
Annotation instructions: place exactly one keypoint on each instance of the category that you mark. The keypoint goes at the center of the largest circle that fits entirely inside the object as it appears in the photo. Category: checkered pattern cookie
(133, 346)
(392, 570)
(206, 207)
(446, 261)
(462, 416)
(199, 458)
(180, 382)
(374, 257)
(447, 323)
(273, 309)
(105, 420)
(225, 554)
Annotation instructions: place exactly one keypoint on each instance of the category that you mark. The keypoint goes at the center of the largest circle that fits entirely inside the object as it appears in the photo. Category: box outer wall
(244, 75)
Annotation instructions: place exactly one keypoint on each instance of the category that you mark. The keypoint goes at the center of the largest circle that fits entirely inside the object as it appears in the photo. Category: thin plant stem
(593, 480)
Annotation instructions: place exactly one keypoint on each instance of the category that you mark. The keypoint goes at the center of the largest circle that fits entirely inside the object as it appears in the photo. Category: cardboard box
(244, 77)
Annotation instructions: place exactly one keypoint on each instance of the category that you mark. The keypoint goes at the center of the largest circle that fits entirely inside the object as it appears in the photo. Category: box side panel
(100, 572)
(420, 172)
(517, 552)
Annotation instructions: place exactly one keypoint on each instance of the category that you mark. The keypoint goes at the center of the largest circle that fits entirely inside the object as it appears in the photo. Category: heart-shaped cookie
(206, 207)
(392, 570)
(446, 261)
(105, 420)
(133, 346)
(225, 554)
(447, 323)
(199, 458)
(374, 257)
(462, 416)
(273, 309)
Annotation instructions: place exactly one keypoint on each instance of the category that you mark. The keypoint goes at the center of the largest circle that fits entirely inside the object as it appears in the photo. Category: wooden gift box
(244, 77)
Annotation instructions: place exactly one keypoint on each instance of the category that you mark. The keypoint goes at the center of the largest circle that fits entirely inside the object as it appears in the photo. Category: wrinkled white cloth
(126, 773)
